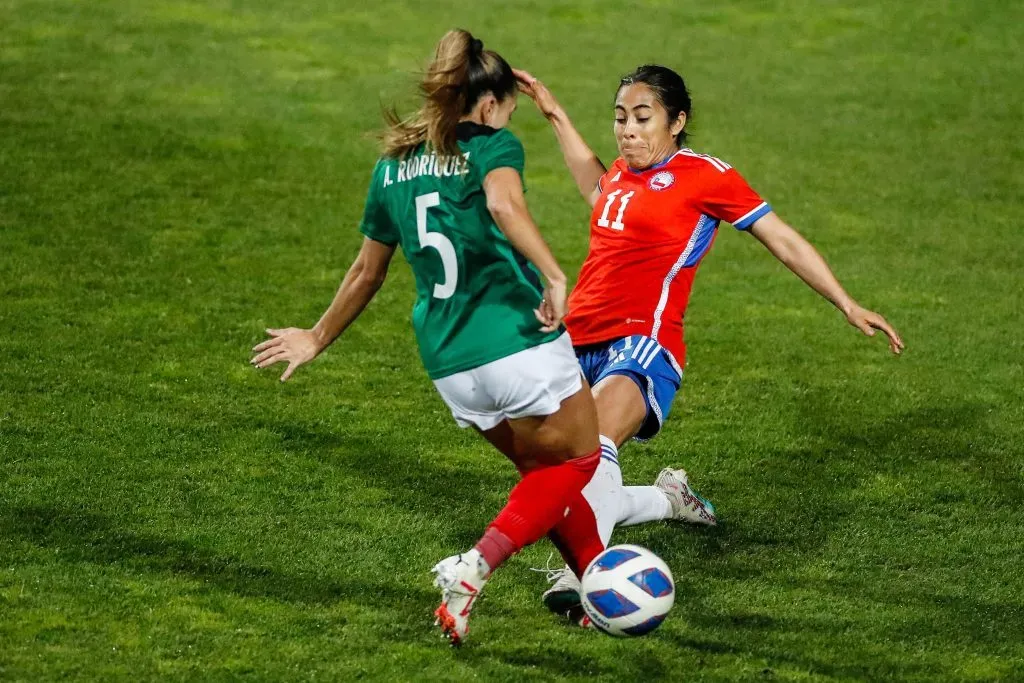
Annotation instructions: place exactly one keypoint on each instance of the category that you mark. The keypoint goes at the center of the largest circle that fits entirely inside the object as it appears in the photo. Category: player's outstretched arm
(800, 256)
(507, 205)
(585, 167)
(297, 346)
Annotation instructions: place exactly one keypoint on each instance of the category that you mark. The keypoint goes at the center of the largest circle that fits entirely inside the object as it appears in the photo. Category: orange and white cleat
(460, 580)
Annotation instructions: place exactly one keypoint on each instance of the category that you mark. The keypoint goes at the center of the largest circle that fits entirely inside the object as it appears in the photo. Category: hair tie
(476, 47)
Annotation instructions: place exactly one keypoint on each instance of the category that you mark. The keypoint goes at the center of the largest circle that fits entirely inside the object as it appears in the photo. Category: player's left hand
(552, 308)
(868, 321)
(292, 345)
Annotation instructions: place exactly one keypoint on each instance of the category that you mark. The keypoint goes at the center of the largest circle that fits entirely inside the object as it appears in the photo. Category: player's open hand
(536, 91)
(868, 321)
(552, 308)
(292, 345)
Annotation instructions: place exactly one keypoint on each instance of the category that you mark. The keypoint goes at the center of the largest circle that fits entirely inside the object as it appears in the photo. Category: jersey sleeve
(376, 223)
(503, 150)
(725, 195)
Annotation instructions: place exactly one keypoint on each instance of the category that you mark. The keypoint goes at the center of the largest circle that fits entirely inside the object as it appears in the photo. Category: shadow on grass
(799, 526)
(807, 665)
(466, 499)
(941, 434)
(806, 494)
(88, 537)
(811, 497)
(560, 658)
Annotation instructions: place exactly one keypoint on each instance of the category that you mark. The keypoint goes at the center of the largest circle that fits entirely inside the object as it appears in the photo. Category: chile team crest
(661, 181)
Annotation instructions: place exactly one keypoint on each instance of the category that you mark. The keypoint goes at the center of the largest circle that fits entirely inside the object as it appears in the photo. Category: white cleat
(686, 504)
(564, 596)
(460, 580)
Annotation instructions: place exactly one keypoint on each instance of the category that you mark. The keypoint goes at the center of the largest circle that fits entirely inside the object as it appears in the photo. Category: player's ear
(488, 107)
(677, 126)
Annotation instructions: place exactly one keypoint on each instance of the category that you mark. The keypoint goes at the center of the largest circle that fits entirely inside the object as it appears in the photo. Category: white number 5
(436, 240)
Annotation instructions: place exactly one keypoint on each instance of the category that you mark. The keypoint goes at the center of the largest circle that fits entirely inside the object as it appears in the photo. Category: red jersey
(648, 233)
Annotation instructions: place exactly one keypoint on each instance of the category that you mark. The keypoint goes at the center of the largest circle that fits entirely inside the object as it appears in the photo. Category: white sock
(643, 504)
(604, 491)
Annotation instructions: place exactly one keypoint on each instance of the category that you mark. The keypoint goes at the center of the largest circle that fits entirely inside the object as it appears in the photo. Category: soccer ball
(627, 591)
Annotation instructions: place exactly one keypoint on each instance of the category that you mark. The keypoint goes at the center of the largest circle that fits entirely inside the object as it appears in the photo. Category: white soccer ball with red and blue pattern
(627, 591)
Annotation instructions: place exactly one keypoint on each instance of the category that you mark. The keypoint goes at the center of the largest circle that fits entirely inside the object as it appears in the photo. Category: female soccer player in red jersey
(655, 214)
(448, 190)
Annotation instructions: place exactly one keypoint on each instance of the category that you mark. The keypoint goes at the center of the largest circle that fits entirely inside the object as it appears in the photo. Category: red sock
(576, 536)
(495, 547)
(536, 504)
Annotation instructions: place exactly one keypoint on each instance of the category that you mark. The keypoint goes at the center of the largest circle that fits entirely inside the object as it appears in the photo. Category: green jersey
(475, 294)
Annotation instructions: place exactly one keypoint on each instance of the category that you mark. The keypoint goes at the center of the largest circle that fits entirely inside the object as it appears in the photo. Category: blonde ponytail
(459, 74)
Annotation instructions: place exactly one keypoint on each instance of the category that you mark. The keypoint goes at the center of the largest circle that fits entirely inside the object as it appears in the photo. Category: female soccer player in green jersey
(448, 190)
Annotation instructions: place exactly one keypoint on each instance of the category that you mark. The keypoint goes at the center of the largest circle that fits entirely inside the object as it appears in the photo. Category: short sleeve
(376, 223)
(725, 195)
(502, 150)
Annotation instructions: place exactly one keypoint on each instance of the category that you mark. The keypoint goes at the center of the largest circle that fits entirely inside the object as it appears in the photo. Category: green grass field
(177, 176)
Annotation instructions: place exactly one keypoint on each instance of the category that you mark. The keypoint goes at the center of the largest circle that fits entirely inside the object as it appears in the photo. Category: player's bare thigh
(569, 433)
(621, 409)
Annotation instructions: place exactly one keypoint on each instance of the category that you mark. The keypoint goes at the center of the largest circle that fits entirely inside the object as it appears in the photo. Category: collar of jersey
(467, 130)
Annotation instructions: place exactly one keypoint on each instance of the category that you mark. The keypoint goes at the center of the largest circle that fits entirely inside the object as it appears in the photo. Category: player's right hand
(536, 91)
(868, 321)
(292, 345)
(552, 308)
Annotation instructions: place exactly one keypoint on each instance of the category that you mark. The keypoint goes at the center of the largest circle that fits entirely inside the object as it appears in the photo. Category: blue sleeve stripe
(750, 218)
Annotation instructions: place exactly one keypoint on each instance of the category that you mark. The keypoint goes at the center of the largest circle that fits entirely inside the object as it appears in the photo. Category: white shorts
(530, 383)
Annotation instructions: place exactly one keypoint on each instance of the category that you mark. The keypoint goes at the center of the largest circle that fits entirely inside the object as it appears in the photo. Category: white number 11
(617, 224)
